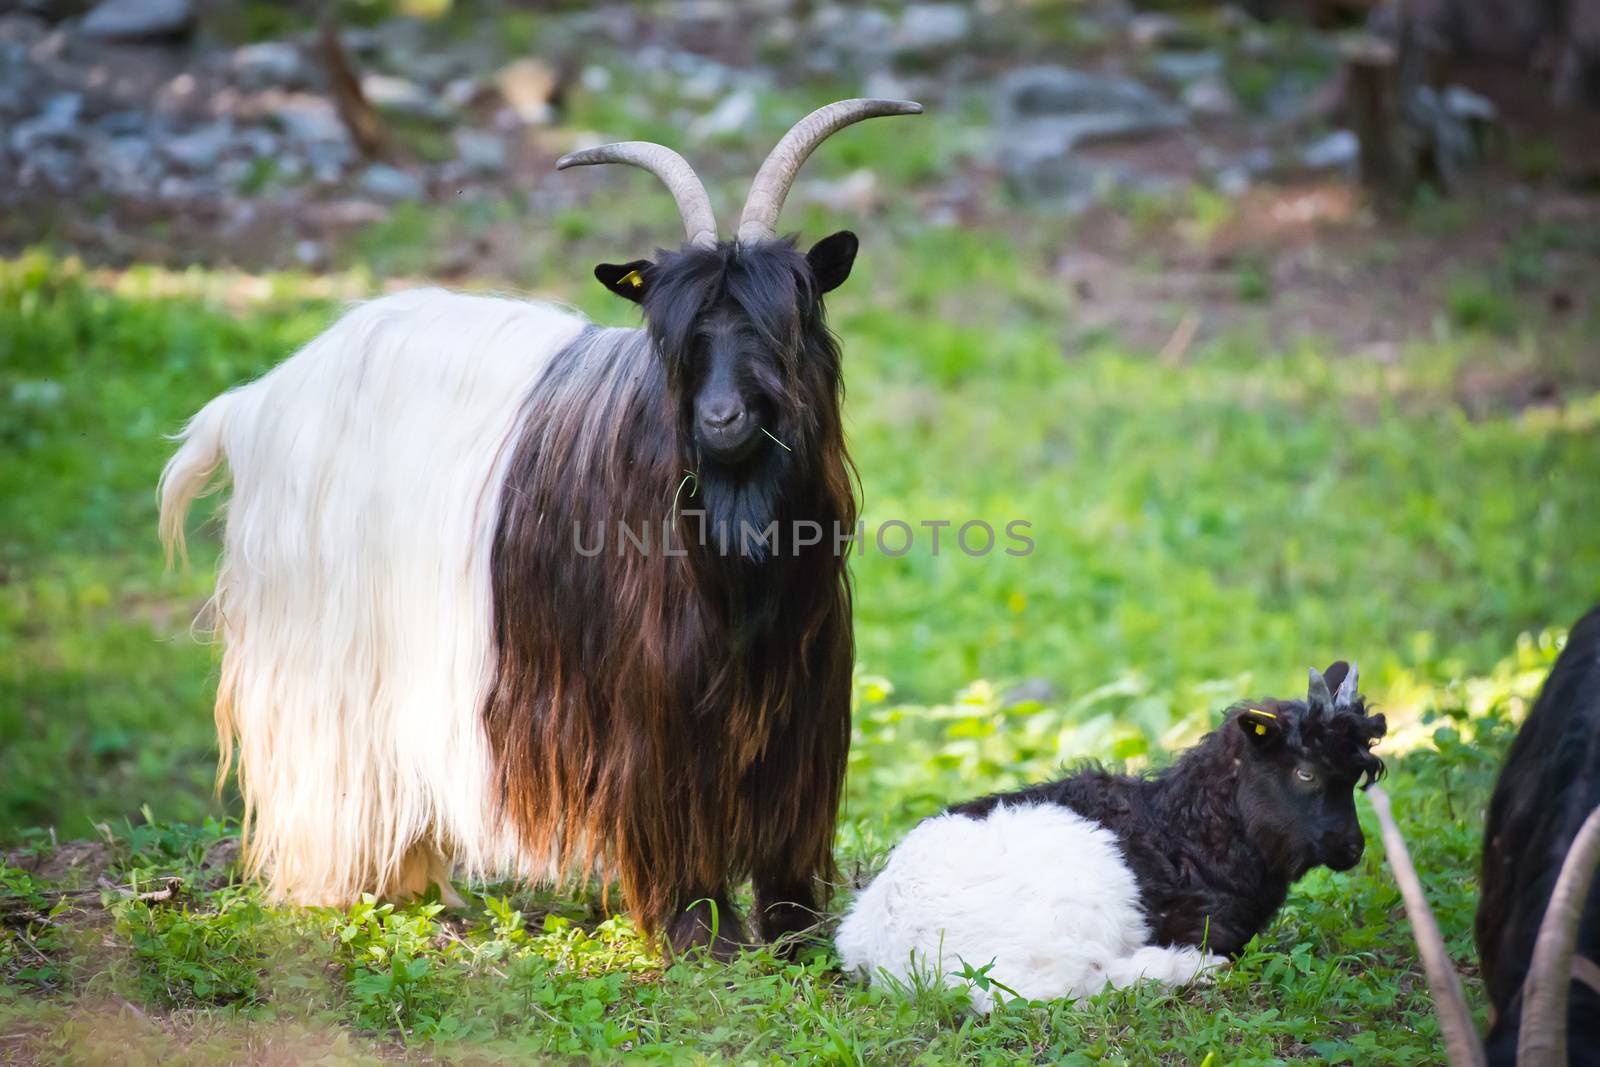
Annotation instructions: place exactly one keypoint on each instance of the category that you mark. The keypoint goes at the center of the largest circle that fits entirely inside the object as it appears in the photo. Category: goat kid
(424, 674)
(1105, 879)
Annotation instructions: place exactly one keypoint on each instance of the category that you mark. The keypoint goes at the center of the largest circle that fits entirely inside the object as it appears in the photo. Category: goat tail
(190, 470)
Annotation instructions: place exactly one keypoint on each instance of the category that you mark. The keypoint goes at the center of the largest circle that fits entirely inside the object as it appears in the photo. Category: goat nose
(721, 416)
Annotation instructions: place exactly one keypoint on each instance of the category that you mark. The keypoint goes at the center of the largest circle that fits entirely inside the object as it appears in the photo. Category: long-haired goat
(1538, 926)
(1106, 879)
(426, 664)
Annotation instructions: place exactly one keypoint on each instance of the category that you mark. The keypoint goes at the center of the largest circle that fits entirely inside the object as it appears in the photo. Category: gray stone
(1186, 67)
(402, 96)
(258, 142)
(127, 165)
(1076, 98)
(273, 65)
(1465, 104)
(733, 115)
(48, 165)
(1046, 113)
(1210, 98)
(200, 148)
(391, 183)
(849, 38)
(1233, 181)
(480, 152)
(139, 20)
(310, 119)
(1154, 30)
(1339, 150)
(856, 195)
(926, 28)
(56, 124)
(313, 255)
(461, 93)
(122, 123)
(326, 160)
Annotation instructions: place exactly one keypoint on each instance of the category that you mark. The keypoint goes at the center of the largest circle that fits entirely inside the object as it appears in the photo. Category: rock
(313, 255)
(21, 28)
(273, 65)
(257, 142)
(1080, 101)
(930, 28)
(122, 123)
(56, 124)
(1233, 181)
(1154, 30)
(1045, 114)
(139, 20)
(844, 38)
(1338, 150)
(391, 183)
(480, 152)
(529, 87)
(200, 148)
(461, 93)
(1209, 98)
(402, 96)
(1186, 67)
(1467, 105)
(310, 119)
(48, 165)
(733, 115)
(595, 78)
(855, 195)
(127, 165)
(326, 160)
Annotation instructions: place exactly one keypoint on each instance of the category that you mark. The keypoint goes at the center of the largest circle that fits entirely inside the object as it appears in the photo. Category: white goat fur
(1038, 889)
(353, 599)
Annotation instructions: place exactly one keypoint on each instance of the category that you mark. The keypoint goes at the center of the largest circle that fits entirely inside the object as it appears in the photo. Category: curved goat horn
(673, 170)
(1543, 1039)
(1455, 1021)
(771, 187)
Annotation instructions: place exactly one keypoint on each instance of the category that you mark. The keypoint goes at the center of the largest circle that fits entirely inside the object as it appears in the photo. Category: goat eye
(1304, 775)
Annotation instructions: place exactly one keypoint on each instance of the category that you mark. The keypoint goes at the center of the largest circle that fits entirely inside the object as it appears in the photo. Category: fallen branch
(355, 110)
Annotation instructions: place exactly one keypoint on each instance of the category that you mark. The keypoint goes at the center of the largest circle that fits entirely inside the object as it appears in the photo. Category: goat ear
(627, 280)
(831, 258)
(1262, 725)
(1344, 678)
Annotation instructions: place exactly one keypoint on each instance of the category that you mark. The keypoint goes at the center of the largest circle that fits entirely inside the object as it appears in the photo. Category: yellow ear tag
(1261, 730)
(632, 278)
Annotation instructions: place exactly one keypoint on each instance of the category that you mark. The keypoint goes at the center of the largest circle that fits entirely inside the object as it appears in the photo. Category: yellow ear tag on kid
(632, 278)
(1261, 730)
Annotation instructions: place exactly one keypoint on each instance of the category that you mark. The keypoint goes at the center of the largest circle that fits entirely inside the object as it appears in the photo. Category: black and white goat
(425, 667)
(1538, 925)
(1104, 879)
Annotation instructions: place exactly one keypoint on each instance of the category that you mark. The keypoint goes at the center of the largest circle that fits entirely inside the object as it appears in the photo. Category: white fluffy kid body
(1038, 890)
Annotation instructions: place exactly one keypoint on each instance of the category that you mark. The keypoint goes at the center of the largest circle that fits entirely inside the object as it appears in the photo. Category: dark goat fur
(1548, 786)
(1212, 867)
(678, 722)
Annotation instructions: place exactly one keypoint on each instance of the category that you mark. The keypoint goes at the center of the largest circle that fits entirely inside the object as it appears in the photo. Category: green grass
(1202, 533)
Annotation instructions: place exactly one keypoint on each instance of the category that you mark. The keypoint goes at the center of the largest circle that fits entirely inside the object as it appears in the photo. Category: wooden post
(1388, 158)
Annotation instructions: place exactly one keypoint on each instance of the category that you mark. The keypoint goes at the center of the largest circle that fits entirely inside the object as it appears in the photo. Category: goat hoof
(702, 928)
